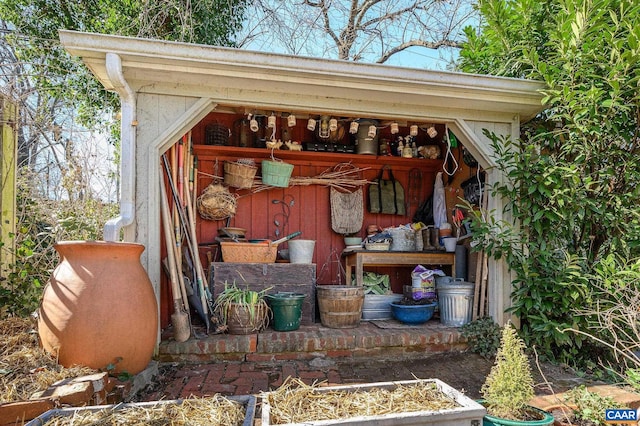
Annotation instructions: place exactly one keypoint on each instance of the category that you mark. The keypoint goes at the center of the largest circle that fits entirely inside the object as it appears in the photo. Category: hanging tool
(449, 158)
(287, 238)
(457, 216)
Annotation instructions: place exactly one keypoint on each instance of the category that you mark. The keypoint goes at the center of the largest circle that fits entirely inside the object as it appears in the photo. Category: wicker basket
(377, 246)
(276, 173)
(233, 252)
(216, 134)
(216, 203)
(239, 175)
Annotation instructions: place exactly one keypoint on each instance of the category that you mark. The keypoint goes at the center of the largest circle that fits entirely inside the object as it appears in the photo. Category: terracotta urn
(99, 308)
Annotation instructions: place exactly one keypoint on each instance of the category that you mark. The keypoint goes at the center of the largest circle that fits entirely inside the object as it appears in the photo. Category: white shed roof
(274, 81)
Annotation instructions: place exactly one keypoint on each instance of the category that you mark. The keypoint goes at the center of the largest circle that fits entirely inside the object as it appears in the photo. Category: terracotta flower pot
(99, 308)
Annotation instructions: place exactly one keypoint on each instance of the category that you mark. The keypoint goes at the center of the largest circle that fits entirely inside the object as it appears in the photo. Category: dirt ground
(463, 371)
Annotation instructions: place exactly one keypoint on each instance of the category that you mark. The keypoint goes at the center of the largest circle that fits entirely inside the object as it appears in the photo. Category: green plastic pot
(286, 309)
(547, 419)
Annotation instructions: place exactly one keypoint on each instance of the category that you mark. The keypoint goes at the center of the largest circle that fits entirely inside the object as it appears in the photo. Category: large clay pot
(99, 308)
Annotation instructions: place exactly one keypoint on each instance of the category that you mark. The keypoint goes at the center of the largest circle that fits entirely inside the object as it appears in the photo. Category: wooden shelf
(313, 158)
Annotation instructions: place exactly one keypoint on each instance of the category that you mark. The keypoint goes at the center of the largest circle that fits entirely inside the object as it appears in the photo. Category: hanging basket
(276, 173)
(216, 203)
(239, 174)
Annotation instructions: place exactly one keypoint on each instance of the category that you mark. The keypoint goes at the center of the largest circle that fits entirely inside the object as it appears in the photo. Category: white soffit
(264, 80)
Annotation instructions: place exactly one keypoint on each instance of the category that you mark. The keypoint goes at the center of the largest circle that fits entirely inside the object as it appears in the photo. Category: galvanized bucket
(455, 301)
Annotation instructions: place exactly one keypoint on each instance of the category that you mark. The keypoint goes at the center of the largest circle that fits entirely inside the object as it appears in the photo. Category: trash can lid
(454, 283)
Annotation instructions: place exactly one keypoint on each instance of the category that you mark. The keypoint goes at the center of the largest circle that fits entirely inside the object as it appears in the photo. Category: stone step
(311, 341)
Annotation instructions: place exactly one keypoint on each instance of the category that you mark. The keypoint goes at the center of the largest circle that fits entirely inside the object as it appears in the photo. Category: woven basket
(239, 175)
(233, 252)
(216, 203)
(377, 246)
(216, 134)
(276, 173)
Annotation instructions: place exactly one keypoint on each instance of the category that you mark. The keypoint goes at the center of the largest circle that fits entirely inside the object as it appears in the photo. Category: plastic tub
(413, 314)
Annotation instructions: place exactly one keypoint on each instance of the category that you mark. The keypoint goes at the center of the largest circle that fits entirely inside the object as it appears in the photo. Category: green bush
(508, 388)
(483, 336)
(40, 223)
(590, 406)
(572, 178)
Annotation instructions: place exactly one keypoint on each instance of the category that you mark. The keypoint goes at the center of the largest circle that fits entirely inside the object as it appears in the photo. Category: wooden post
(8, 153)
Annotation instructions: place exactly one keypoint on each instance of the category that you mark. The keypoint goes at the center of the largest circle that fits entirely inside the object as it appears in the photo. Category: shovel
(283, 239)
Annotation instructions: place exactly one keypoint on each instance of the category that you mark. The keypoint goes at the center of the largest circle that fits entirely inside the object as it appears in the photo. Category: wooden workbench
(361, 258)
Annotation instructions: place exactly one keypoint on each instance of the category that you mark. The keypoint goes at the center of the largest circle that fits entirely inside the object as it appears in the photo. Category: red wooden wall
(310, 212)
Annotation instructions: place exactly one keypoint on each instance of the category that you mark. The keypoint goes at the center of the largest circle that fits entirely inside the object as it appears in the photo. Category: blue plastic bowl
(413, 314)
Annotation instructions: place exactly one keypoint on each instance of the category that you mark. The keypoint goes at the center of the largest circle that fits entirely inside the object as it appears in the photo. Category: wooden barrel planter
(340, 305)
(99, 308)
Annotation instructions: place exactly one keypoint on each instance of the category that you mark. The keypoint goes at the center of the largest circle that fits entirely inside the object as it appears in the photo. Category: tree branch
(417, 43)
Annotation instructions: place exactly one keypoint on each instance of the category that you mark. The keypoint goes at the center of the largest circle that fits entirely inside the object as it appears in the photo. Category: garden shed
(171, 89)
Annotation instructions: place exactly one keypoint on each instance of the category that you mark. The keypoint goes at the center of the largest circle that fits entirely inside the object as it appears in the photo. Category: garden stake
(180, 319)
(476, 295)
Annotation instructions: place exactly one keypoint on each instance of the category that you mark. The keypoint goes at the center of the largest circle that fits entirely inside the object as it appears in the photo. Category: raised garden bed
(436, 404)
(218, 410)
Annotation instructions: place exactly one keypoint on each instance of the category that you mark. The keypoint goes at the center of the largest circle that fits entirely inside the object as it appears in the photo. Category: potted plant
(243, 311)
(582, 407)
(509, 386)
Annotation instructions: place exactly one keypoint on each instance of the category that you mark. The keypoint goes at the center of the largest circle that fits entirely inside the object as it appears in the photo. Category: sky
(299, 30)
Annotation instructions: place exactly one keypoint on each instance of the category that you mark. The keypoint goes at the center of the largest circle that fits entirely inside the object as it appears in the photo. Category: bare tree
(357, 30)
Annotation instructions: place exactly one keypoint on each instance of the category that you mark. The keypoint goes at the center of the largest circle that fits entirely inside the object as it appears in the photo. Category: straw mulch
(216, 410)
(25, 368)
(296, 402)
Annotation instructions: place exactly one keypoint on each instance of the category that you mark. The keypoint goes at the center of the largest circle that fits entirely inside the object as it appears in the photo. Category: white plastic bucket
(301, 251)
(450, 244)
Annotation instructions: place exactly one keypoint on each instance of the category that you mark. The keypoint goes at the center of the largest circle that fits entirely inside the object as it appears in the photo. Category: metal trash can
(455, 301)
